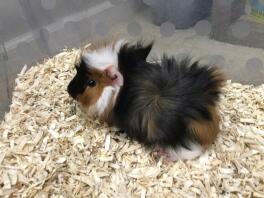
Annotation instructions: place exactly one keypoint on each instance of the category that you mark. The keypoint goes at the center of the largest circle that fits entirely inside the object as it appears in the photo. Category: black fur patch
(170, 94)
(78, 84)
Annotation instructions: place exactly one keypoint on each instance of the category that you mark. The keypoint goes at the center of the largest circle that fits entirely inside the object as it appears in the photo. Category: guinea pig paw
(165, 154)
(169, 158)
(159, 150)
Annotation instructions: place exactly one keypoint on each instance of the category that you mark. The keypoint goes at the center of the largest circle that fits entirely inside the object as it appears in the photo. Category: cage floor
(49, 149)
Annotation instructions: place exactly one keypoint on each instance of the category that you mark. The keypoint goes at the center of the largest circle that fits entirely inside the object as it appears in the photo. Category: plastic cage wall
(229, 33)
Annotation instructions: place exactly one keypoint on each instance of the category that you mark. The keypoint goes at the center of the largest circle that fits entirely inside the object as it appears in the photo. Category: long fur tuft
(160, 101)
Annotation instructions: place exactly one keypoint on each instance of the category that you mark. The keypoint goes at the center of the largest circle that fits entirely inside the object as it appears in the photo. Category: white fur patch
(182, 153)
(104, 57)
(101, 59)
(100, 106)
(119, 44)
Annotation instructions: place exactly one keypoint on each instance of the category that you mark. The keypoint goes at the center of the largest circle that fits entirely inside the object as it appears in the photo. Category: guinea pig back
(169, 103)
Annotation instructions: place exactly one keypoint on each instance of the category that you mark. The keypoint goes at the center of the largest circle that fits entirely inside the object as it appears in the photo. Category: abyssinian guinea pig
(170, 105)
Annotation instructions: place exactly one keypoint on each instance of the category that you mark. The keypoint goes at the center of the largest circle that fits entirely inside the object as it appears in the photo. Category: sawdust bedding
(48, 148)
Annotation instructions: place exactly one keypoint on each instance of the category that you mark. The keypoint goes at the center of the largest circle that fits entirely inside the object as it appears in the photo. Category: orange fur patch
(206, 131)
(148, 123)
(219, 77)
(91, 94)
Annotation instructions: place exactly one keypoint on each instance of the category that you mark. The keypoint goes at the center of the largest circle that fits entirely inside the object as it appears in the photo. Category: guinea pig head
(95, 88)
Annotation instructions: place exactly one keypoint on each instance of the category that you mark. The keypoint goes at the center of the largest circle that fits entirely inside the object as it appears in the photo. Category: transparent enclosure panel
(226, 33)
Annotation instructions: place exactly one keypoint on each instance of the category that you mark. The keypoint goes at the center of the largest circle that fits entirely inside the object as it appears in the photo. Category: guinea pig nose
(115, 77)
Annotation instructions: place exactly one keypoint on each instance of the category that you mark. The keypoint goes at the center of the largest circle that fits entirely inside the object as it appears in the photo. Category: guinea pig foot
(170, 158)
(165, 154)
(159, 150)
(183, 154)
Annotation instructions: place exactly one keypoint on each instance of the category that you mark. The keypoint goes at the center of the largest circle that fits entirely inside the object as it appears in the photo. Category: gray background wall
(31, 30)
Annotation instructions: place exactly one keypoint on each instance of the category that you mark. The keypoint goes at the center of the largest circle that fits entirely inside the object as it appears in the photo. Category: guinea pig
(169, 105)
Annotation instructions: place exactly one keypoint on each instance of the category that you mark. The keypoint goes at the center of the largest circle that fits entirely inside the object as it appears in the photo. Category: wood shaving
(48, 148)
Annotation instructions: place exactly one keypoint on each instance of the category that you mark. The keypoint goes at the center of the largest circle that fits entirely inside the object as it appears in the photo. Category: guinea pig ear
(139, 51)
(130, 55)
(115, 77)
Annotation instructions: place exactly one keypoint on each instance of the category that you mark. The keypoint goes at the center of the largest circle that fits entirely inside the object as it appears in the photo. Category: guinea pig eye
(91, 83)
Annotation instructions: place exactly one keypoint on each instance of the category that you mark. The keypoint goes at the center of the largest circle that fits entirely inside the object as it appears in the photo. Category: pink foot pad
(165, 154)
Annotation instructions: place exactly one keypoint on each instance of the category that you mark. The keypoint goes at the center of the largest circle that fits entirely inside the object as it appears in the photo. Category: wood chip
(48, 148)
(107, 142)
(6, 181)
